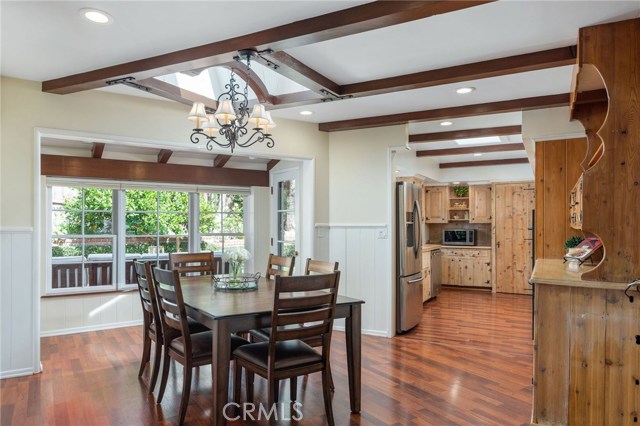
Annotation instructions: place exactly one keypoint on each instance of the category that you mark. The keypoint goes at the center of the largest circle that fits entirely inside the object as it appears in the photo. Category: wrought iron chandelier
(232, 118)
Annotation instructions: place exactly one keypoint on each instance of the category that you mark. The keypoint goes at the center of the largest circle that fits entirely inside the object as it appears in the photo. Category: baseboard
(377, 333)
(98, 327)
(16, 373)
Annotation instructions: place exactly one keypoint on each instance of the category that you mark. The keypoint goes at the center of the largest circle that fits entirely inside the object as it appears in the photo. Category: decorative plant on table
(461, 190)
(236, 256)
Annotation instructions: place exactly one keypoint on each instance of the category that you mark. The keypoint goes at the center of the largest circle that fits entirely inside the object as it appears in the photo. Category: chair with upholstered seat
(280, 265)
(152, 330)
(307, 302)
(311, 267)
(189, 349)
(204, 263)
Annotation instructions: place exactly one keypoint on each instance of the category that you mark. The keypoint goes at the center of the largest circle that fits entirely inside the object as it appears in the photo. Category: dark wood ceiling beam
(355, 20)
(295, 70)
(466, 134)
(448, 112)
(97, 149)
(271, 164)
(83, 167)
(221, 160)
(289, 100)
(473, 71)
(164, 155)
(471, 150)
(484, 163)
(256, 84)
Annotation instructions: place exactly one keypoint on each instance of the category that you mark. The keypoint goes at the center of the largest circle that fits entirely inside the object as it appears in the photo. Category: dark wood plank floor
(468, 363)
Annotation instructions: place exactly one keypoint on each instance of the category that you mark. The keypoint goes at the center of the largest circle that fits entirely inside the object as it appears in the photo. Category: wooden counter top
(554, 272)
(430, 247)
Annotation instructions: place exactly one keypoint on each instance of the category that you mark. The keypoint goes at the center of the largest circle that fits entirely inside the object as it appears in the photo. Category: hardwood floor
(468, 363)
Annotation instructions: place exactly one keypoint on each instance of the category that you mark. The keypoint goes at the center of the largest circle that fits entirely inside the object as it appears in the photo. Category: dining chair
(280, 265)
(311, 267)
(187, 348)
(307, 302)
(204, 263)
(152, 330)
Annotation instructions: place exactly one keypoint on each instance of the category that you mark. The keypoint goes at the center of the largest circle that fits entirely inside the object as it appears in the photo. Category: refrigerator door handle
(417, 280)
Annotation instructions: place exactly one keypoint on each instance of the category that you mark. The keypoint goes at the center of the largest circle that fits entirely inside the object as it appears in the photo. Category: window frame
(119, 232)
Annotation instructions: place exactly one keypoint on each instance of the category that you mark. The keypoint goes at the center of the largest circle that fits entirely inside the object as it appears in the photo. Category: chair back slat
(319, 267)
(171, 304)
(313, 313)
(297, 316)
(280, 266)
(311, 299)
(204, 263)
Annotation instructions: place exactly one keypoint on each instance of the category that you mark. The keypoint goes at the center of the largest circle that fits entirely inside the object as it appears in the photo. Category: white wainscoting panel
(365, 265)
(17, 348)
(76, 314)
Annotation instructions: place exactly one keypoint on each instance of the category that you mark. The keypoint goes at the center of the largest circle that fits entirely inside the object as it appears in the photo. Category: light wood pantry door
(514, 203)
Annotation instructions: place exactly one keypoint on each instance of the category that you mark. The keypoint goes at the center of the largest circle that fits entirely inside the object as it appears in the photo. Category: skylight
(478, 141)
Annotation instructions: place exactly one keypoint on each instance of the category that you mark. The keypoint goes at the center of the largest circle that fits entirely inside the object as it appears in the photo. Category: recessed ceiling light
(446, 123)
(306, 112)
(478, 141)
(465, 90)
(96, 16)
(477, 154)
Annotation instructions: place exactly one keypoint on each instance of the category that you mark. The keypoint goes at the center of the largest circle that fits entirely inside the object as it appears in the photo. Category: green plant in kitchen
(461, 190)
(573, 242)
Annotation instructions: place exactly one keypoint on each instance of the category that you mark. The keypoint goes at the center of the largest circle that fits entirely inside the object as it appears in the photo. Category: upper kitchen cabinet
(436, 199)
(480, 200)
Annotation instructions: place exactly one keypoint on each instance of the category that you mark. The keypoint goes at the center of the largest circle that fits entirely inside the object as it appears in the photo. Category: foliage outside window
(85, 238)
(221, 221)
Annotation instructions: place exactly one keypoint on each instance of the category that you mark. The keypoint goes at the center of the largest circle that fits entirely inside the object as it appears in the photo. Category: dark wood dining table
(226, 312)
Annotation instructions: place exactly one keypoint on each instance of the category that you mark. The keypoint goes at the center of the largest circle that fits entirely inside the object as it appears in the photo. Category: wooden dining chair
(187, 348)
(308, 303)
(311, 267)
(280, 266)
(204, 263)
(152, 328)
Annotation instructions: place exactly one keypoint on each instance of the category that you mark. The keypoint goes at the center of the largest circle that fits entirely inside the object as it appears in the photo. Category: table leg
(353, 333)
(220, 371)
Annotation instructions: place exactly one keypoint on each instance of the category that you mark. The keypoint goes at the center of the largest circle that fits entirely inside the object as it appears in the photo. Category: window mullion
(120, 229)
(194, 222)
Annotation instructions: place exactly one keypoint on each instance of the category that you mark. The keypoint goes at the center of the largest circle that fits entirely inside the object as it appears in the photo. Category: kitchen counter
(554, 272)
(430, 247)
(466, 247)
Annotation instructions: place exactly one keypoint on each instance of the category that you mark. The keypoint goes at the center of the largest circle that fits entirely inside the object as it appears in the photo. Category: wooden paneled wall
(557, 171)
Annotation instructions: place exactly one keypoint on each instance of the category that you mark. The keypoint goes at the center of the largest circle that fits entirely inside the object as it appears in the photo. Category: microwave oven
(459, 237)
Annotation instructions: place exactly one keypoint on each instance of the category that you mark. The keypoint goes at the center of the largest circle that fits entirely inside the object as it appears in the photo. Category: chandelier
(232, 119)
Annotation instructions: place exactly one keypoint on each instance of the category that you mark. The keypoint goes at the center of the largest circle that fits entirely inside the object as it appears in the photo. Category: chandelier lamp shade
(229, 126)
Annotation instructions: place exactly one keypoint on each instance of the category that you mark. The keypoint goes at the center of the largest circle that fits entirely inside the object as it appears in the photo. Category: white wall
(361, 220)
(24, 109)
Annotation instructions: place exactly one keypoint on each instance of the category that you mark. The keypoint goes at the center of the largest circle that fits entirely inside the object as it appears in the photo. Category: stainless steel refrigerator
(408, 257)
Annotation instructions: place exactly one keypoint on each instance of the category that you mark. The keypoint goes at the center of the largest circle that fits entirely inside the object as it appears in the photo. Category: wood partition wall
(557, 171)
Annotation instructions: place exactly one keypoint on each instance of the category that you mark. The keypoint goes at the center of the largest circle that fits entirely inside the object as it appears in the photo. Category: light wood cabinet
(480, 201)
(514, 204)
(436, 199)
(426, 275)
(466, 267)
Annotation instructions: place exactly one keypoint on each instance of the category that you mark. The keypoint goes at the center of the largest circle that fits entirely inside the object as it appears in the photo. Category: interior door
(285, 208)
(513, 244)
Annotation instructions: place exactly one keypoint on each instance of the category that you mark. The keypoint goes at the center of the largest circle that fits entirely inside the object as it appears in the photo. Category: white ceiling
(43, 40)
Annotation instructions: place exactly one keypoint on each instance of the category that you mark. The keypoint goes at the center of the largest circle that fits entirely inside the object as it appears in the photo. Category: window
(285, 205)
(82, 239)
(221, 221)
(96, 233)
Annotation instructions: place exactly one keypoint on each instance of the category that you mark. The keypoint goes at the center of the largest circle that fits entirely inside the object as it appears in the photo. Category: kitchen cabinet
(426, 275)
(480, 202)
(436, 199)
(466, 267)
(513, 237)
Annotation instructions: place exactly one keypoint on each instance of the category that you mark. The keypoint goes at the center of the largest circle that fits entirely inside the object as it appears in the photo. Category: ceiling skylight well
(478, 141)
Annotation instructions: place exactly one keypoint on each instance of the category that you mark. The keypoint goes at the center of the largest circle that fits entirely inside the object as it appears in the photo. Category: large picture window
(96, 233)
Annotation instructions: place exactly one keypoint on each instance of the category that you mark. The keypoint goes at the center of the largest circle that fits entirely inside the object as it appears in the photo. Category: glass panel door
(285, 201)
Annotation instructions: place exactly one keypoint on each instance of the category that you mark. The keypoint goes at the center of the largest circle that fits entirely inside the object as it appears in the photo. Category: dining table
(233, 311)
